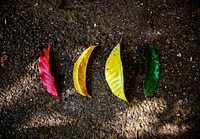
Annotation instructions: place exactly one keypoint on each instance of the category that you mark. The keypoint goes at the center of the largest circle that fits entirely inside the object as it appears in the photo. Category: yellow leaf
(79, 73)
(114, 73)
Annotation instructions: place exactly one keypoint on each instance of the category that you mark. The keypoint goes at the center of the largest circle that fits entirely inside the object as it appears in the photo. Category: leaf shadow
(133, 68)
(91, 63)
(57, 71)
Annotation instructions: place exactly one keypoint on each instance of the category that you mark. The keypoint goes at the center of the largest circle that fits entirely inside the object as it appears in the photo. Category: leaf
(79, 73)
(45, 72)
(151, 70)
(114, 73)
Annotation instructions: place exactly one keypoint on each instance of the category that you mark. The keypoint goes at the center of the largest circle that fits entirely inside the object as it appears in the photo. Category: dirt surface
(28, 111)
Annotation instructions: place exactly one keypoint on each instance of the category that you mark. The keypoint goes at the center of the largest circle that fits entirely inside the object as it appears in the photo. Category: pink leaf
(45, 72)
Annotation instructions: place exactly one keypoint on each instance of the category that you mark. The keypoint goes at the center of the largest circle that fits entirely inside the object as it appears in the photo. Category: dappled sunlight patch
(69, 92)
(139, 118)
(151, 117)
(21, 87)
(17, 91)
(172, 129)
(46, 120)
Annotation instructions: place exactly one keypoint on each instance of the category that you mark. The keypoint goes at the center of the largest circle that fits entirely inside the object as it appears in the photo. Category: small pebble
(5, 21)
(158, 33)
(179, 55)
(3, 58)
(191, 59)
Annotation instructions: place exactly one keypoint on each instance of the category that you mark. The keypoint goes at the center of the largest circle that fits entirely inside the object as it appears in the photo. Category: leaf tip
(126, 100)
(56, 95)
(89, 96)
(151, 46)
(146, 93)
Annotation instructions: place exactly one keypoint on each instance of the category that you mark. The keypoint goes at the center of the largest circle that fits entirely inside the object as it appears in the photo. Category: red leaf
(45, 72)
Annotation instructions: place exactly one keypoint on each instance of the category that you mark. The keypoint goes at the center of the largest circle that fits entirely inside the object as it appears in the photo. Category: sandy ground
(28, 111)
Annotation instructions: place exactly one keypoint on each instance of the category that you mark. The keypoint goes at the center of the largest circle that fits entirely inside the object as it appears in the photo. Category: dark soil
(28, 111)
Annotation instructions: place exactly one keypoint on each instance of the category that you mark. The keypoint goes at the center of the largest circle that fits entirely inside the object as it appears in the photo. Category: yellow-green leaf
(79, 73)
(114, 73)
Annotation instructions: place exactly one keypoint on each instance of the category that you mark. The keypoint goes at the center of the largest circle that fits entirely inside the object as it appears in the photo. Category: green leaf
(151, 70)
(114, 73)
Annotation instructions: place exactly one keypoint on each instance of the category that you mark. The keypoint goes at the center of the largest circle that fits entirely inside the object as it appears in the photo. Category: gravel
(28, 111)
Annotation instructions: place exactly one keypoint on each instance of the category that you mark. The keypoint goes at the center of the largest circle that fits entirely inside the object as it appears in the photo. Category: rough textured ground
(28, 111)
